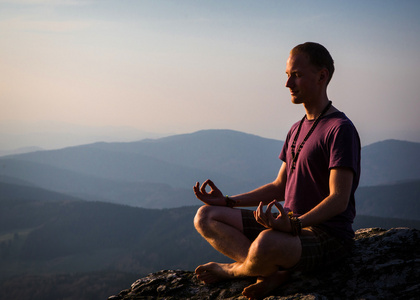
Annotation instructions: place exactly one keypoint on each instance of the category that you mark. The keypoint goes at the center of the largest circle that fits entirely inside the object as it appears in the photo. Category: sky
(73, 71)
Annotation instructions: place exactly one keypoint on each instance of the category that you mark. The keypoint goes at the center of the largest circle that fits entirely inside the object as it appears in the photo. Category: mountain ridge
(237, 162)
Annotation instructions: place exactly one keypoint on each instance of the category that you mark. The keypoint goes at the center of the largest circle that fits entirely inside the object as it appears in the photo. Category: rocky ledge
(385, 265)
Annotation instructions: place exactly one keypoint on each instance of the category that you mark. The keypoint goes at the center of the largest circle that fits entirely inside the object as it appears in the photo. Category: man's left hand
(267, 219)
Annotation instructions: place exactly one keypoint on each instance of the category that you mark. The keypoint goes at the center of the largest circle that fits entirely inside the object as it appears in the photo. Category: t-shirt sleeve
(283, 152)
(345, 148)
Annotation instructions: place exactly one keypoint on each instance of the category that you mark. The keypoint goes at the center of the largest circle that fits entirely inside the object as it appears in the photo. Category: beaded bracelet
(296, 224)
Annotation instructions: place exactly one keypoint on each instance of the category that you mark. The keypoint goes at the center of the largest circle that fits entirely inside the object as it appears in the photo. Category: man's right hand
(267, 219)
(214, 197)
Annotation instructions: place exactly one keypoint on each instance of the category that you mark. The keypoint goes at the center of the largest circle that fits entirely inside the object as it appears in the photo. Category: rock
(385, 265)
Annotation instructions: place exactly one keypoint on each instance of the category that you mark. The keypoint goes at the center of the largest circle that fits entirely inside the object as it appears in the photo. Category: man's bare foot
(265, 285)
(213, 272)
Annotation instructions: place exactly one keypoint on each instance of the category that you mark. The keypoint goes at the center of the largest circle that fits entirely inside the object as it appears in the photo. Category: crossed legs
(270, 251)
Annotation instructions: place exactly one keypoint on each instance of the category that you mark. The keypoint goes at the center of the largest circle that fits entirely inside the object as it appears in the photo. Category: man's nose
(289, 82)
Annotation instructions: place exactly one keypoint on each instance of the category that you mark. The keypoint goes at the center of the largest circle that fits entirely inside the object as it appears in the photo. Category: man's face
(302, 78)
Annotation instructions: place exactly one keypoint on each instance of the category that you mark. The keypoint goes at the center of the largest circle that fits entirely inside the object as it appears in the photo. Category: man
(317, 180)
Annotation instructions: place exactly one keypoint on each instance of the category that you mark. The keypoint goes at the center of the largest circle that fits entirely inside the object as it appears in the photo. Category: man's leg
(271, 251)
(222, 228)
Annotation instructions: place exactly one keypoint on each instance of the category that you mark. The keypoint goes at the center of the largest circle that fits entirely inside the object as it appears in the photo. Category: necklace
(296, 155)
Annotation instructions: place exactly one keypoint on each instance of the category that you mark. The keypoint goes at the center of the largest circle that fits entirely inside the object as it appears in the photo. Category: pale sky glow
(181, 66)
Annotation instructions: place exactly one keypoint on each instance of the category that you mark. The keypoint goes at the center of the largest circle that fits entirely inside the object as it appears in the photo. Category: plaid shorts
(318, 250)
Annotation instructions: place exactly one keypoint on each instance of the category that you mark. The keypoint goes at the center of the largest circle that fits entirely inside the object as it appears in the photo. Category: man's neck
(313, 110)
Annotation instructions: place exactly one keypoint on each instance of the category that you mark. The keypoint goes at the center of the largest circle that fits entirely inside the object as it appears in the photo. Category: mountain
(178, 160)
(94, 188)
(390, 161)
(150, 173)
(392, 201)
(48, 232)
(44, 235)
(161, 172)
(236, 154)
(56, 134)
(20, 150)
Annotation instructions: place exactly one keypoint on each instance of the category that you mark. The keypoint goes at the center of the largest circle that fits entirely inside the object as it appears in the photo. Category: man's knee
(202, 217)
(276, 245)
(208, 216)
(263, 245)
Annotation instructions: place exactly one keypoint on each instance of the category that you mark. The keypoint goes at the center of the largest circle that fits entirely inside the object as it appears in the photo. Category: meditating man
(317, 181)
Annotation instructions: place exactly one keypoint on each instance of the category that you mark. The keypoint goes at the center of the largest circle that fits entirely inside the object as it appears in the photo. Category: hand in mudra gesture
(281, 222)
(214, 197)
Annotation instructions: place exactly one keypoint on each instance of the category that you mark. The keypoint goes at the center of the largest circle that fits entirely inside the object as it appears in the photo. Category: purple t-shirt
(334, 143)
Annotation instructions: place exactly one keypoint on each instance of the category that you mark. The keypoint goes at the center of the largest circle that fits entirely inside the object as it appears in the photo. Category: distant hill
(235, 154)
(20, 150)
(390, 161)
(160, 173)
(40, 237)
(52, 235)
(150, 173)
(225, 155)
(391, 201)
(92, 188)
(363, 221)
(15, 192)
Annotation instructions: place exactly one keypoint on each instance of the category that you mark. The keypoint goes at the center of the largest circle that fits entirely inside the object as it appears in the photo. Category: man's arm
(265, 193)
(340, 183)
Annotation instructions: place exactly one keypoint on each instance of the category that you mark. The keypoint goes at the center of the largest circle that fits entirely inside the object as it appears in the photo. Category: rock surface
(385, 265)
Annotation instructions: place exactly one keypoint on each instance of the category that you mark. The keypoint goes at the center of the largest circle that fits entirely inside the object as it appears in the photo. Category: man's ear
(323, 74)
